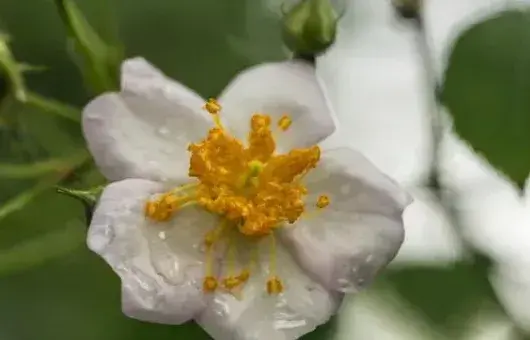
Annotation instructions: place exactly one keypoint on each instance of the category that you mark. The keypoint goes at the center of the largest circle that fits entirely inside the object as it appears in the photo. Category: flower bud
(309, 27)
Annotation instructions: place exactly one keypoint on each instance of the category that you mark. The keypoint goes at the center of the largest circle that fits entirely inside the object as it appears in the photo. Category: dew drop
(163, 131)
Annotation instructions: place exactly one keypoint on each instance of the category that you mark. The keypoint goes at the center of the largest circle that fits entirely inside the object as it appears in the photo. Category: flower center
(252, 189)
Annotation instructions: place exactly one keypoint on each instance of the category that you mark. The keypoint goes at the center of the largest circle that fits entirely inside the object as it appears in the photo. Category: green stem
(21, 171)
(54, 107)
(21, 200)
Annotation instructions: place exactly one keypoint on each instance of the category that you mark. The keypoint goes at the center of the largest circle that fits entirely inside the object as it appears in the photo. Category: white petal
(161, 282)
(361, 230)
(302, 306)
(277, 89)
(143, 132)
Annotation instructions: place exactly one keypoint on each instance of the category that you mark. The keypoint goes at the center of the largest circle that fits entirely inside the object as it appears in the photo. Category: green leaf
(486, 90)
(99, 61)
(34, 252)
(36, 169)
(25, 197)
(53, 107)
(254, 43)
(446, 297)
(323, 332)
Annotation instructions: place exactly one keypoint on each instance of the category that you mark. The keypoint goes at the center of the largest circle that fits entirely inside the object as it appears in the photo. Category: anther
(212, 106)
(209, 284)
(163, 208)
(323, 201)
(284, 123)
(274, 285)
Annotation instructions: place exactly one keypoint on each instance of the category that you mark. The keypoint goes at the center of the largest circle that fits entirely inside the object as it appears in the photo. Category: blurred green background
(51, 286)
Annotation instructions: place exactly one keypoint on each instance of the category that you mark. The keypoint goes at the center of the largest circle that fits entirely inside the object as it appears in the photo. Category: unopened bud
(309, 27)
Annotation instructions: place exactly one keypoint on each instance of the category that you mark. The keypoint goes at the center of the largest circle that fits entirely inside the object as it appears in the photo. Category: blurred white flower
(253, 240)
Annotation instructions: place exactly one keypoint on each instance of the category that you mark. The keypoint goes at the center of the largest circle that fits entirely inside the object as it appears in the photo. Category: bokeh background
(464, 270)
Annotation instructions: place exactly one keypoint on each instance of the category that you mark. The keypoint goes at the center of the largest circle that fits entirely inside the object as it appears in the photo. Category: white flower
(254, 245)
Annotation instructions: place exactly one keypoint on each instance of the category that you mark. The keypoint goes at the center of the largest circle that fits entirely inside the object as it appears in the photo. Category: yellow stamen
(284, 123)
(274, 284)
(213, 107)
(323, 201)
(253, 191)
(272, 263)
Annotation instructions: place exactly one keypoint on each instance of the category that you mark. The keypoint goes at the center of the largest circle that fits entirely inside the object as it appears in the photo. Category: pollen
(274, 285)
(284, 123)
(260, 140)
(212, 106)
(232, 282)
(163, 208)
(323, 201)
(251, 188)
(209, 284)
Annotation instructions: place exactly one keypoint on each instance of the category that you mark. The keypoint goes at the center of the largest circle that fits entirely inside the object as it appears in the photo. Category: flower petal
(163, 286)
(303, 305)
(144, 131)
(285, 88)
(360, 231)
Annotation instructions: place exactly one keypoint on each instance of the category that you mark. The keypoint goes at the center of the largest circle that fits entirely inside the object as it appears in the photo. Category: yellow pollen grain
(230, 283)
(212, 106)
(209, 284)
(163, 208)
(284, 123)
(323, 201)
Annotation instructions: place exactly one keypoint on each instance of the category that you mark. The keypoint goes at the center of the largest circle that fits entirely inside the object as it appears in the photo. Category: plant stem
(434, 103)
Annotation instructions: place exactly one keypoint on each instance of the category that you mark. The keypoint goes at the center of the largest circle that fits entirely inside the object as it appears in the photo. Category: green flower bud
(309, 27)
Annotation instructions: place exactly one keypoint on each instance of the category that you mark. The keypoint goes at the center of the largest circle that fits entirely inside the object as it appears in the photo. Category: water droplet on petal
(163, 131)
